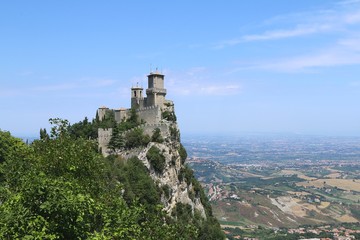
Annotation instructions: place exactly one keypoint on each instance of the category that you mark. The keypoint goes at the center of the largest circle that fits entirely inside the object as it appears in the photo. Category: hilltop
(120, 176)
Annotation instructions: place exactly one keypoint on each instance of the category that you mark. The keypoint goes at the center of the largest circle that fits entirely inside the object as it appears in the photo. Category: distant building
(149, 108)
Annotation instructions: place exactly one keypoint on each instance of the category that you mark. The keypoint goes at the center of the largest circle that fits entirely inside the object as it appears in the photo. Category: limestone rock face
(179, 191)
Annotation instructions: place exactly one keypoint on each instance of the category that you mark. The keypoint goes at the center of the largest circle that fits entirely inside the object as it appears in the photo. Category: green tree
(136, 138)
(156, 159)
(60, 187)
(133, 118)
(43, 133)
(156, 137)
(182, 153)
(117, 140)
(84, 129)
(11, 147)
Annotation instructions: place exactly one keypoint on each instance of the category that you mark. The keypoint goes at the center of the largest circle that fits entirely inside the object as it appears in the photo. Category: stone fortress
(156, 112)
(149, 109)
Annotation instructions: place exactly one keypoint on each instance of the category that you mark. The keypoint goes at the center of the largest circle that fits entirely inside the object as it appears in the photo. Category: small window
(134, 93)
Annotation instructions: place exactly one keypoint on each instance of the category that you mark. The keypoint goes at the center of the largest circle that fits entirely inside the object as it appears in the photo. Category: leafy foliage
(206, 229)
(136, 138)
(43, 134)
(209, 228)
(60, 187)
(174, 133)
(86, 129)
(131, 139)
(156, 137)
(156, 159)
(11, 147)
(137, 183)
(182, 153)
(107, 122)
(117, 140)
(169, 116)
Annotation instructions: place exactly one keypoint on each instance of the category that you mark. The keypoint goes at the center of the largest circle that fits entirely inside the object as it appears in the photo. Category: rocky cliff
(150, 163)
(173, 176)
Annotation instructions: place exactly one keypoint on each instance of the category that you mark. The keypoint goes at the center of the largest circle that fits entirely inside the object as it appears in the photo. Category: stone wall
(149, 129)
(121, 114)
(101, 112)
(151, 115)
(104, 136)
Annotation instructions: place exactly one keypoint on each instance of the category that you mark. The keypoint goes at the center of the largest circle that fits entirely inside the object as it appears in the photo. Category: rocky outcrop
(175, 187)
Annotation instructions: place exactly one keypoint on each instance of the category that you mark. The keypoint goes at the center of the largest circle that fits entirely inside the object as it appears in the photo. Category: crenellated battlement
(149, 108)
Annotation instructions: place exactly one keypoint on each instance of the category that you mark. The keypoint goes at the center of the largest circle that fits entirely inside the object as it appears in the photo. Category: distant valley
(279, 181)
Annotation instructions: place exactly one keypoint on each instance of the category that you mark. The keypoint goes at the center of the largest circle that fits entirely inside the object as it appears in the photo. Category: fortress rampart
(151, 115)
(149, 109)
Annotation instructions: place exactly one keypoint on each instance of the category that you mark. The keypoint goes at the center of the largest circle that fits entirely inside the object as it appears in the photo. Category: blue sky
(230, 66)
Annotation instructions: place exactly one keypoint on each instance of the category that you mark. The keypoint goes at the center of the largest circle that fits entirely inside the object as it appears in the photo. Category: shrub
(156, 159)
(174, 133)
(166, 190)
(136, 138)
(182, 153)
(186, 174)
(156, 137)
(169, 116)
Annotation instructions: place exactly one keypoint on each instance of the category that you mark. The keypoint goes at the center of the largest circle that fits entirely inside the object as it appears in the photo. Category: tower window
(134, 93)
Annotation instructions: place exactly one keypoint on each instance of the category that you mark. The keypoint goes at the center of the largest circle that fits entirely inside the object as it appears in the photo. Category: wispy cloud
(103, 83)
(348, 2)
(351, 44)
(347, 52)
(206, 90)
(308, 23)
(200, 81)
(278, 34)
(300, 30)
(59, 88)
(327, 59)
(352, 18)
(55, 87)
(335, 40)
(220, 90)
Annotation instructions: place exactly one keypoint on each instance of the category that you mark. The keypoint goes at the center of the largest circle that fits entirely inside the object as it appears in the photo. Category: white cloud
(298, 31)
(55, 87)
(196, 70)
(352, 44)
(220, 89)
(207, 90)
(199, 81)
(65, 87)
(348, 2)
(336, 20)
(103, 83)
(278, 34)
(337, 40)
(338, 56)
(327, 59)
(352, 18)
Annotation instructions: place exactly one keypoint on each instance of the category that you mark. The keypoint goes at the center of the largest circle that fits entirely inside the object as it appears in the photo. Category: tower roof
(156, 73)
(137, 88)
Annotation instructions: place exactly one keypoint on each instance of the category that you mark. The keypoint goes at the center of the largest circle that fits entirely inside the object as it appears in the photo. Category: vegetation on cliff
(60, 187)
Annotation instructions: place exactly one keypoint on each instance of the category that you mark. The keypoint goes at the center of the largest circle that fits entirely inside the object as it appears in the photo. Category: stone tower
(156, 91)
(150, 109)
(137, 99)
